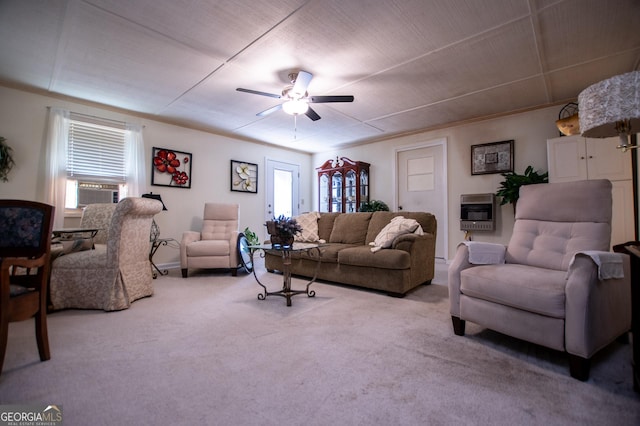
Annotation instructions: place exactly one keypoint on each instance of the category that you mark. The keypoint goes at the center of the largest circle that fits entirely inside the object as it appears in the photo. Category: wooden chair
(25, 248)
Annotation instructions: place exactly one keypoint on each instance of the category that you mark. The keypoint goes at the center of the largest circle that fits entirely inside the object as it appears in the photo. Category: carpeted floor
(205, 350)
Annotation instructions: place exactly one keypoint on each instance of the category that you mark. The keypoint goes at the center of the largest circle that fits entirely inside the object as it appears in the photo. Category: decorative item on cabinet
(343, 185)
(568, 122)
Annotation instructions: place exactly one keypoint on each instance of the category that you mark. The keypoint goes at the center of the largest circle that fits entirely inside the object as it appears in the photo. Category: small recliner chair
(215, 247)
(556, 284)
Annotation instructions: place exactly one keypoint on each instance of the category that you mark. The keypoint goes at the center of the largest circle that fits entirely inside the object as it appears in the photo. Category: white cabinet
(577, 158)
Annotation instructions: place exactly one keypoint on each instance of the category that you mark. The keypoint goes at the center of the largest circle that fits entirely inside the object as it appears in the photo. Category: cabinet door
(605, 161)
(622, 219)
(566, 157)
(350, 194)
(324, 193)
(336, 192)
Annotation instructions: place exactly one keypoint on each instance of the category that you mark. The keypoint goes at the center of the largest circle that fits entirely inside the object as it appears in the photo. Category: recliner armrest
(597, 311)
(188, 237)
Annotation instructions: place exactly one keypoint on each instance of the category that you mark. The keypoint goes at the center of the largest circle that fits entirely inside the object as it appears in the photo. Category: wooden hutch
(343, 185)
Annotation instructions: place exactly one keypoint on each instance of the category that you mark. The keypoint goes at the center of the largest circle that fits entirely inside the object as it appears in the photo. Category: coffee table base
(286, 291)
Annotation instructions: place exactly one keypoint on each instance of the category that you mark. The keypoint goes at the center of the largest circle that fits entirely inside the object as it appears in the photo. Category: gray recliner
(556, 284)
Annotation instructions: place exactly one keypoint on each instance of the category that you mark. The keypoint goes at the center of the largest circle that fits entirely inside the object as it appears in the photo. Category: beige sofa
(348, 258)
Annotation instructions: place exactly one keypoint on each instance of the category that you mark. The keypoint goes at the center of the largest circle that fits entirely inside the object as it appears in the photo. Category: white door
(282, 189)
(422, 185)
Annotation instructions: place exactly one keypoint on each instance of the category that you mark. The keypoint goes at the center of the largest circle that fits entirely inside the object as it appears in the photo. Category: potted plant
(251, 237)
(509, 189)
(6, 161)
(282, 230)
(374, 206)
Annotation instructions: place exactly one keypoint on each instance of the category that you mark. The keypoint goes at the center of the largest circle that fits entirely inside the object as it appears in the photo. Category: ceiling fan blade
(324, 99)
(255, 92)
(269, 111)
(312, 114)
(302, 82)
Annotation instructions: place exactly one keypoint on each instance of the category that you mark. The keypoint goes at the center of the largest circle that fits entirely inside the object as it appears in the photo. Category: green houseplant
(509, 189)
(6, 160)
(374, 206)
(252, 237)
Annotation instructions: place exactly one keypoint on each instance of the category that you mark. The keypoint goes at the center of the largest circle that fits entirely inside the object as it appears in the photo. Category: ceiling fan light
(295, 106)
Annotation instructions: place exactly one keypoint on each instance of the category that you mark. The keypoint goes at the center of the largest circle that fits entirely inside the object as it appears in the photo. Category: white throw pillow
(398, 226)
(309, 224)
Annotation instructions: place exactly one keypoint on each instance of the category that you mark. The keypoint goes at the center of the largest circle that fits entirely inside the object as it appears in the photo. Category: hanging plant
(6, 161)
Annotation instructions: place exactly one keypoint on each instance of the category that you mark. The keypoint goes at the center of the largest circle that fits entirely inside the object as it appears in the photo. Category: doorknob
(399, 207)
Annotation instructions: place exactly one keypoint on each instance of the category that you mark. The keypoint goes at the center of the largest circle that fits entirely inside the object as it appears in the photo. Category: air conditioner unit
(92, 193)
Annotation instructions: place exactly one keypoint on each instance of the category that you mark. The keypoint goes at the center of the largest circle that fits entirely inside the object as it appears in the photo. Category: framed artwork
(244, 176)
(171, 168)
(495, 157)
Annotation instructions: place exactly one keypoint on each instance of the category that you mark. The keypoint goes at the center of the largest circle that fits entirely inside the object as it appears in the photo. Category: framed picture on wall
(244, 176)
(494, 157)
(171, 168)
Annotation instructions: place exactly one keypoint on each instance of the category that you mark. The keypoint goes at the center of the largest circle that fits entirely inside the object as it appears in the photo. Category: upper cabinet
(343, 185)
(577, 158)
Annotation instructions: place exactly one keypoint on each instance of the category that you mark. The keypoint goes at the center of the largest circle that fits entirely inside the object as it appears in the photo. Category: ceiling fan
(297, 97)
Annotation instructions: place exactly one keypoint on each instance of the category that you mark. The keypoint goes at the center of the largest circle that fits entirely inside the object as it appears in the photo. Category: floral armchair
(115, 274)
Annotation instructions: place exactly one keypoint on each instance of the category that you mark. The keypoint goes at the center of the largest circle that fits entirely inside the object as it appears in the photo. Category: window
(96, 166)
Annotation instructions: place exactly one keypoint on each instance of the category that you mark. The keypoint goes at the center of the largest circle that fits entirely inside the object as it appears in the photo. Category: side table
(155, 245)
(632, 248)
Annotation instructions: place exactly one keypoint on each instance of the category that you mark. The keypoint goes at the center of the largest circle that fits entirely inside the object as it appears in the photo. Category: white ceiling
(411, 64)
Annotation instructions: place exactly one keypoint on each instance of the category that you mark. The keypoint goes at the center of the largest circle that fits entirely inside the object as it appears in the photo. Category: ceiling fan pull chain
(295, 127)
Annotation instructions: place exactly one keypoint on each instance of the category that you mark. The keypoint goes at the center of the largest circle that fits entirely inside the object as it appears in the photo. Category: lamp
(612, 108)
(295, 106)
(155, 229)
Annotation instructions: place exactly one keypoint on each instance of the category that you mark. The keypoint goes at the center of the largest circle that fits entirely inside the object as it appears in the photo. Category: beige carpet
(205, 350)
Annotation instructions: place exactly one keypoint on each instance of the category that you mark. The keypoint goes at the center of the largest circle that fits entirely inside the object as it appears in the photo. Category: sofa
(366, 250)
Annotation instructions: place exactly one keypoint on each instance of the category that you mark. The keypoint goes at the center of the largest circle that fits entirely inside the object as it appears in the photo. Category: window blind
(96, 150)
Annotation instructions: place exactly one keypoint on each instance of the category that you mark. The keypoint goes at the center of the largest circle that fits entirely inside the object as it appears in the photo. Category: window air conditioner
(92, 193)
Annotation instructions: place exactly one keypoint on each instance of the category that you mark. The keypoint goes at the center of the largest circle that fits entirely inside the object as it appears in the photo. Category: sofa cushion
(383, 259)
(309, 224)
(329, 252)
(536, 290)
(325, 225)
(208, 248)
(350, 228)
(398, 226)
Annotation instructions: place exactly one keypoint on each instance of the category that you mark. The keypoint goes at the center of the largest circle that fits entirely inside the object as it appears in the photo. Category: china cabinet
(343, 185)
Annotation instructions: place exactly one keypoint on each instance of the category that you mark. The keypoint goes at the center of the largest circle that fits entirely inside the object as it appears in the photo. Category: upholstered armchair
(556, 283)
(98, 216)
(113, 275)
(215, 247)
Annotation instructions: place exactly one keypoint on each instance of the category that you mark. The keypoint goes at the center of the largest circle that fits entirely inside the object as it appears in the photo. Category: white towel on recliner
(609, 263)
(481, 253)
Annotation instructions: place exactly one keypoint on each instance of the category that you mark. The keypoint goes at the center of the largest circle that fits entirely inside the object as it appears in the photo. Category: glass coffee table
(285, 251)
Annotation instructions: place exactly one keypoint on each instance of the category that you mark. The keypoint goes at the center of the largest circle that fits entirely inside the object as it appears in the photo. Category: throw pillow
(398, 226)
(309, 224)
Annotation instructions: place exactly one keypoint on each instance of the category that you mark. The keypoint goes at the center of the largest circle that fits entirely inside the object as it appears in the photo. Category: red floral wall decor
(171, 168)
